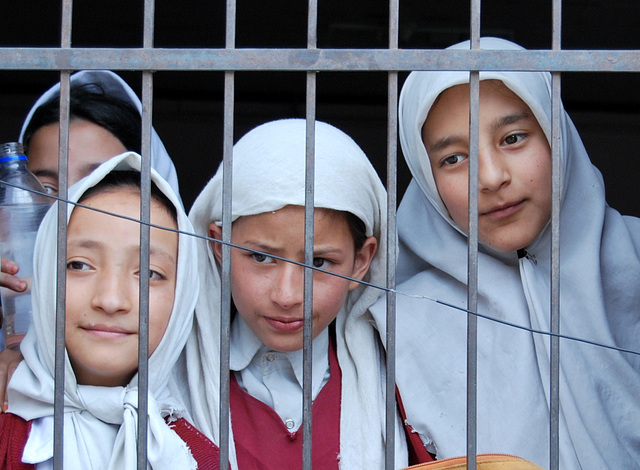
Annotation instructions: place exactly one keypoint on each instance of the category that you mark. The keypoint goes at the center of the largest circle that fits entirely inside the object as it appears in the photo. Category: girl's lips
(104, 331)
(502, 212)
(285, 325)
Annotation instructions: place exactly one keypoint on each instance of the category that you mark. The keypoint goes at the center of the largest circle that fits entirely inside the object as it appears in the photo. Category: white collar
(245, 346)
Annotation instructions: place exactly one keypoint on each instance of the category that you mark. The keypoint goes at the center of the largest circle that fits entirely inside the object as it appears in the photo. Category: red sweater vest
(263, 441)
(14, 432)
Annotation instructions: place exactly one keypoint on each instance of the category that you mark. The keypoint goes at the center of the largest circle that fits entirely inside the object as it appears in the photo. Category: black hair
(129, 179)
(91, 103)
(358, 230)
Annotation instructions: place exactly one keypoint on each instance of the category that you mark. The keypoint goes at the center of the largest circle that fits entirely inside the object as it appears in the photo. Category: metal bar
(365, 60)
(61, 267)
(307, 353)
(145, 217)
(556, 146)
(472, 270)
(472, 266)
(392, 194)
(225, 298)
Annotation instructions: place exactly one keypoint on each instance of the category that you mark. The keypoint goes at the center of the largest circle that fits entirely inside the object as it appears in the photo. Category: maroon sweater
(263, 441)
(14, 432)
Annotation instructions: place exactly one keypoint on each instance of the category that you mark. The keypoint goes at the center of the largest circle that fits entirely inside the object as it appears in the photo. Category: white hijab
(100, 423)
(116, 87)
(268, 174)
(599, 301)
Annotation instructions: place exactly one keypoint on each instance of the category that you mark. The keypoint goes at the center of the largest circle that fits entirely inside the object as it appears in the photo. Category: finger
(8, 266)
(13, 282)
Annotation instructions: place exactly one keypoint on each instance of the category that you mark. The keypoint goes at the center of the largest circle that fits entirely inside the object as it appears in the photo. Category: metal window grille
(312, 60)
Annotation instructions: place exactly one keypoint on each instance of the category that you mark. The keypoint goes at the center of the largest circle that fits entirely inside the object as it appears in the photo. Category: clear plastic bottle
(21, 212)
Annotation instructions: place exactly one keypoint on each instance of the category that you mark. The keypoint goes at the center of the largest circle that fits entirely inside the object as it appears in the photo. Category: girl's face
(102, 286)
(269, 293)
(89, 146)
(514, 182)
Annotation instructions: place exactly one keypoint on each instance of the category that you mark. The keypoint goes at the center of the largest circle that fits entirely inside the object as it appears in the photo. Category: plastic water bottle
(21, 212)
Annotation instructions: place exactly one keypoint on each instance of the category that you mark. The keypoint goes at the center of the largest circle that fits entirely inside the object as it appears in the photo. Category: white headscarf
(100, 423)
(599, 301)
(268, 174)
(116, 87)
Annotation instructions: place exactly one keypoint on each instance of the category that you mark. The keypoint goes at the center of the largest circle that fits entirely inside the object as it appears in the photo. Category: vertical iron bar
(556, 142)
(225, 298)
(472, 273)
(143, 329)
(145, 192)
(307, 353)
(61, 268)
(392, 191)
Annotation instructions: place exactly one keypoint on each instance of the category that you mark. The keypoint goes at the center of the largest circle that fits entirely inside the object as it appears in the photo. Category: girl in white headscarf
(101, 338)
(105, 121)
(599, 278)
(268, 197)
(109, 86)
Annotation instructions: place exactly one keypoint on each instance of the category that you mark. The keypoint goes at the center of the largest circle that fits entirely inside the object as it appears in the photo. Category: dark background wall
(188, 105)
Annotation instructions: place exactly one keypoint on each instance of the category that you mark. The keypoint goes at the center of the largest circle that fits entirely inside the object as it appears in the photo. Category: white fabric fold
(116, 87)
(100, 423)
(269, 173)
(599, 301)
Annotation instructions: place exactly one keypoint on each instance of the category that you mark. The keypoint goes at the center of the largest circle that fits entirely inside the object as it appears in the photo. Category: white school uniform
(599, 301)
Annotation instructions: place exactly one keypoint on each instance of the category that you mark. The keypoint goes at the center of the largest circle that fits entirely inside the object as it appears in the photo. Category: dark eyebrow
(45, 173)
(510, 119)
(445, 142)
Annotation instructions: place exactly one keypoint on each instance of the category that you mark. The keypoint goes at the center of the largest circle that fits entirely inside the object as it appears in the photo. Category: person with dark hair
(266, 333)
(102, 333)
(104, 121)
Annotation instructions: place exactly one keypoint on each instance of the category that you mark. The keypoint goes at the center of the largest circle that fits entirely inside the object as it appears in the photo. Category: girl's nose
(288, 288)
(112, 295)
(493, 173)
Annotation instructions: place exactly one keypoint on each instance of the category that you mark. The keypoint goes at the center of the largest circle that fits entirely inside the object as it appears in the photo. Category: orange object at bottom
(484, 462)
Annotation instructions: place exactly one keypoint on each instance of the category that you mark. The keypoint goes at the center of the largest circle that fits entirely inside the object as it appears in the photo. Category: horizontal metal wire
(318, 59)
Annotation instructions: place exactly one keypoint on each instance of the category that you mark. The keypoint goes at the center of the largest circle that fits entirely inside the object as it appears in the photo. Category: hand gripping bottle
(21, 212)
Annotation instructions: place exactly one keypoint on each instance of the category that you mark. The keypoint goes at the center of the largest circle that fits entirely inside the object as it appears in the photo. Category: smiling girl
(101, 337)
(599, 277)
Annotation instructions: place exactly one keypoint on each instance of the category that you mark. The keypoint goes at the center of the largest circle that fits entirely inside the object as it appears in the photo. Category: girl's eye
(452, 160)
(51, 189)
(260, 258)
(321, 263)
(155, 275)
(514, 139)
(77, 266)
